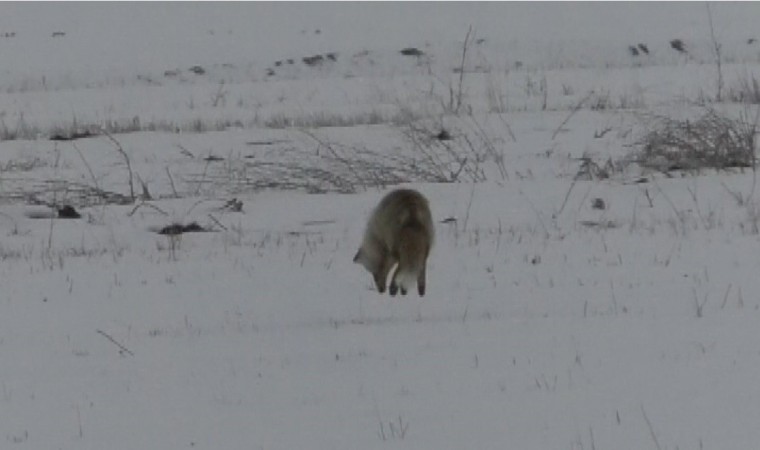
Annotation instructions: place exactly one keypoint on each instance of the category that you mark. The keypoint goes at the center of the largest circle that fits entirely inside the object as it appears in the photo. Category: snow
(548, 323)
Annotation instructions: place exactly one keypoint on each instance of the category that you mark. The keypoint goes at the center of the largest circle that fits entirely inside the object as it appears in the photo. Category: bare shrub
(81, 194)
(713, 141)
(331, 167)
(591, 169)
(451, 160)
(745, 90)
(497, 100)
(324, 119)
(25, 164)
(22, 130)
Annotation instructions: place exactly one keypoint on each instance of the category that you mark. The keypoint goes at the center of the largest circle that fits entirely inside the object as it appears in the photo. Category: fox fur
(399, 233)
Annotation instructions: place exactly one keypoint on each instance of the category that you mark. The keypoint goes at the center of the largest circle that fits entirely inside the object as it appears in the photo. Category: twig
(122, 349)
(171, 182)
(79, 422)
(203, 177)
(538, 214)
(192, 207)
(651, 429)
(134, 210)
(185, 151)
(509, 127)
(87, 165)
(220, 94)
(567, 196)
(693, 193)
(717, 49)
(216, 221)
(575, 109)
(736, 195)
(461, 70)
(145, 192)
(700, 306)
(55, 200)
(120, 149)
(725, 297)
(335, 155)
(750, 131)
(491, 148)
(680, 215)
(469, 205)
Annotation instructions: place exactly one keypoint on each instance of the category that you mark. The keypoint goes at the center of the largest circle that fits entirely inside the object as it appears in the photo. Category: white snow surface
(549, 322)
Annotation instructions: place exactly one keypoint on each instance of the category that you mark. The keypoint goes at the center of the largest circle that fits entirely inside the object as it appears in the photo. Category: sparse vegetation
(327, 119)
(712, 141)
(745, 90)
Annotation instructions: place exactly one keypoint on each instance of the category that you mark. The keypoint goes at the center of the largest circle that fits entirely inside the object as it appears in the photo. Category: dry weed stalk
(123, 153)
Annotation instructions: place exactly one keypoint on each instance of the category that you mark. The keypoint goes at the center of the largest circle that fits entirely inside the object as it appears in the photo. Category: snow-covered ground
(567, 308)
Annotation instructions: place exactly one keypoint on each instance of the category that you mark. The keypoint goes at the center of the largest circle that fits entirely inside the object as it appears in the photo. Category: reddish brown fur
(400, 230)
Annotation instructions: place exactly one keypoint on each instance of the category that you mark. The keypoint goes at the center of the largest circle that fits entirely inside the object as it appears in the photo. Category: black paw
(393, 290)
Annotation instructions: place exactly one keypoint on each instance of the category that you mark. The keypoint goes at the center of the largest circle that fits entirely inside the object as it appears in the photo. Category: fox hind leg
(395, 286)
(421, 281)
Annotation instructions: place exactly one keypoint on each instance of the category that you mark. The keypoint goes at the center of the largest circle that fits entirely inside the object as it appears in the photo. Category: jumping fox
(400, 230)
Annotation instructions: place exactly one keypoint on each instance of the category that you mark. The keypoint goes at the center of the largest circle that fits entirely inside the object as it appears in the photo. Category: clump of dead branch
(326, 167)
(712, 141)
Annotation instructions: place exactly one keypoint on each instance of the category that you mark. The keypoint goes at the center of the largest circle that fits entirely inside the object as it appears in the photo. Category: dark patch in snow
(198, 70)
(178, 228)
(412, 51)
(313, 60)
(68, 212)
(443, 135)
(678, 45)
(73, 136)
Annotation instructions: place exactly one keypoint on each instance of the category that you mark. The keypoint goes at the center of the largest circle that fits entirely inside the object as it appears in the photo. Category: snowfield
(579, 296)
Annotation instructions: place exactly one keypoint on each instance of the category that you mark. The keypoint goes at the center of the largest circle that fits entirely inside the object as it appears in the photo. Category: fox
(399, 233)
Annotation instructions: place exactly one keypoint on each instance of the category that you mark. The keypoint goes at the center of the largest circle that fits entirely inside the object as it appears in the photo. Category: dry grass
(330, 167)
(745, 90)
(712, 141)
